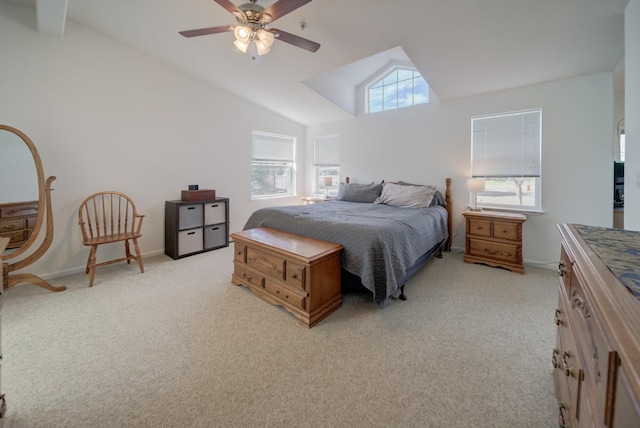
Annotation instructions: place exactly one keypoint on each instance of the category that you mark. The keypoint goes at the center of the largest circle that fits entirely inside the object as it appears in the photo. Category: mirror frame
(44, 209)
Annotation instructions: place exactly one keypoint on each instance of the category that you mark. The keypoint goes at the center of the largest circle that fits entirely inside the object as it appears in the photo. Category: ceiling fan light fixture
(242, 33)
(242, 46)
(262, 48)
(266, 37)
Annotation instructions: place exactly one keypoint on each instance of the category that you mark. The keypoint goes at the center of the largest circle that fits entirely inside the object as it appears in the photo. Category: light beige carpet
(179, 346)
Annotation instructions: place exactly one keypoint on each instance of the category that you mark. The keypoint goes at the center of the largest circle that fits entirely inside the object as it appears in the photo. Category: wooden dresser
(596, 360)
(17, 221)
(298, 273)
(495, 239)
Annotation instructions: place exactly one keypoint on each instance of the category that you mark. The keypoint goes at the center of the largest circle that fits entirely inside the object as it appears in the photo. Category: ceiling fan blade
(227, 5)
(295, 40)
(282, 7)
(205, 31)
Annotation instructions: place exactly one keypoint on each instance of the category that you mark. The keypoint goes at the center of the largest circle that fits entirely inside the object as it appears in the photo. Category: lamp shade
(242, 34)
(265, 37)
(475, 185)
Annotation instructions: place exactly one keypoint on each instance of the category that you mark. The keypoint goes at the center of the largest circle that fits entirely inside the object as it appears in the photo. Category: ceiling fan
(252, 32)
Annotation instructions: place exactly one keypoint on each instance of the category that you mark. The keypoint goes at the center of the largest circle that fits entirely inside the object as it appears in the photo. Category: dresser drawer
(271, 265)
(296, 275)
(479, 227)
(18, 210)
(12, 225)
(494, 250)
(505, 230)
(593, 346)
(284, 294)
(248, 276)
(15, 237)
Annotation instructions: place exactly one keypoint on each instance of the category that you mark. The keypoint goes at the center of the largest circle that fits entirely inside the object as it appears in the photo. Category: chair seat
(111, 238)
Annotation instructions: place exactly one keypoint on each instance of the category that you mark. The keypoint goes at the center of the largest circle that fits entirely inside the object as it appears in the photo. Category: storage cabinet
(192, 227)
(495, 239)
(596, 360)
(298, 273)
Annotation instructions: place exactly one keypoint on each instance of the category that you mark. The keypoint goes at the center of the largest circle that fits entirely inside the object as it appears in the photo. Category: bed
(386, 240)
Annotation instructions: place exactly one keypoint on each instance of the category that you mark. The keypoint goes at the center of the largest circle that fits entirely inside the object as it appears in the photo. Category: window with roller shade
(272, 165)
(326, 159)
(506, 151)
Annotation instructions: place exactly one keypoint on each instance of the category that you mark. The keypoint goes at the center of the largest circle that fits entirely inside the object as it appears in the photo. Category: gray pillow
(404, 196)
(438, 198)
(356, 192)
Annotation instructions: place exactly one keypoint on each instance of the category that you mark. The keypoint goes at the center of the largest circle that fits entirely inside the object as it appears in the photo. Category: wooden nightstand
(494, 238)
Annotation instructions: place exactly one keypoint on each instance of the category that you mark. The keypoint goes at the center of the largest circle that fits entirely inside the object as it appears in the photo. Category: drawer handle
(191, 208)
(191, 233)
(294, 276)
(562, 271)
(554, 358)
(480, 228)
(215, 228)
(556, 317)
(214, 206)
(249, 278)
(9, 227)
(492, 252)
(561, 418)
(568, 371)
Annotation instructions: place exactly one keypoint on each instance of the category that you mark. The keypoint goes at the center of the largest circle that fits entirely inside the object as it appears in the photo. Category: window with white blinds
(506, 151)
(326, 150)
(272, 165)
(326, 159)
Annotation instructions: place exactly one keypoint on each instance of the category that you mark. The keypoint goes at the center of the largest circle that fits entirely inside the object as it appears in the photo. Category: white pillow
(406, 196)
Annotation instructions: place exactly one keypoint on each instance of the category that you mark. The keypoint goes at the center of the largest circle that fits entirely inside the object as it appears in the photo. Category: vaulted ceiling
(462, 47)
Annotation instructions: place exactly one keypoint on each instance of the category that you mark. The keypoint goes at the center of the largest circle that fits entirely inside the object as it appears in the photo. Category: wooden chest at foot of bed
(298, 273)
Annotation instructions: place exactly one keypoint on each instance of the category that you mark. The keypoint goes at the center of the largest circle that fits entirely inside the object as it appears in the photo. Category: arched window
(401, 87)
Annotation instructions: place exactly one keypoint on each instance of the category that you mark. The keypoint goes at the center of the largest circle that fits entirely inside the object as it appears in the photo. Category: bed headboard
(448, 206)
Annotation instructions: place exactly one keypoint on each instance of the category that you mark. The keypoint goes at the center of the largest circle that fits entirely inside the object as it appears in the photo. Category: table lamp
(475, 186)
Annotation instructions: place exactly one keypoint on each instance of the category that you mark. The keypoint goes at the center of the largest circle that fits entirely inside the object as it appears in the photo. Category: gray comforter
(380, 241)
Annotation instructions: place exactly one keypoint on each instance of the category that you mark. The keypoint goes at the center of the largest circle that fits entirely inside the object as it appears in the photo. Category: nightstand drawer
(494, 250)
(504, 230)
(479, 227)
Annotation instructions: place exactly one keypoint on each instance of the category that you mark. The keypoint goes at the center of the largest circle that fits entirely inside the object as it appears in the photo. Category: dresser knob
(561, 268)
(556, 317)
(294, 276)
(568, 371)
(554, 358)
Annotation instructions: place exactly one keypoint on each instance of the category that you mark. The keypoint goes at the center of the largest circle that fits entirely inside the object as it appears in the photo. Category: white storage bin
(215, 212)
(190, 241)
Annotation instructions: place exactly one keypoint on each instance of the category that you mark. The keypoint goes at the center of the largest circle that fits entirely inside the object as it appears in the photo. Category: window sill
(511, 210)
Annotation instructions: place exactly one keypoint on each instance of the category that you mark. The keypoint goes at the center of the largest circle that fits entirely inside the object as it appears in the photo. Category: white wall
(425, 144)
(632, 116)
(104, 116)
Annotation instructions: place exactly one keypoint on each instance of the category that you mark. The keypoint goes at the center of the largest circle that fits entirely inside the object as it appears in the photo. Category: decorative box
(198, 195)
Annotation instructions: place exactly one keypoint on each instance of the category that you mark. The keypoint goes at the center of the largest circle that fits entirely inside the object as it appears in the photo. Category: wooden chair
(105, 218)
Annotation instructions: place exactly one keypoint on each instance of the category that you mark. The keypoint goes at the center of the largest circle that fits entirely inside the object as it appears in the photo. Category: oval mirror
(25, 206)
